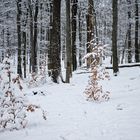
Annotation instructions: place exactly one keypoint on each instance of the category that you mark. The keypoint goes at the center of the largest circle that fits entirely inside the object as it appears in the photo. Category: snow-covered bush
(13, 103)
(36, 80)
(94, 90)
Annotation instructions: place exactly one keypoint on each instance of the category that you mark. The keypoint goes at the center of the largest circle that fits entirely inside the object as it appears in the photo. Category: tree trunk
(24, 53)
(54, 57)
(31, 33)
(34, 47)
(19, 69)
(96, 29)
(90, 30)
(80, 38)
(137, 48)
(74, 23)
(129, 33)
(68, 43)
(25, 42)
(50, 47)
(114, 36)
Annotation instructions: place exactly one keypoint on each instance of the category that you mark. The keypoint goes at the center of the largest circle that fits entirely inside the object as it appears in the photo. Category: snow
(71, 117)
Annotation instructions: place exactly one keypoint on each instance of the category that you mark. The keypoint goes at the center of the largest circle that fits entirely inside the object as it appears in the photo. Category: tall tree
(54, 58)
(19, 69)
(90, 30)
(74, 23)
(114, 36)
(68, 43)
(137, 47)
(129, 32)
(34, 47)
(31, 32)
(24, 38)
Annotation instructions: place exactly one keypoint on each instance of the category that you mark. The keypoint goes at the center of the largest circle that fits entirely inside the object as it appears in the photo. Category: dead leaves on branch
(94, 90)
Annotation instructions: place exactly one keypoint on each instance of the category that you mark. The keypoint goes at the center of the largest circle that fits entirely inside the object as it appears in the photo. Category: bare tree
(74, 22)
(54, 59)
(129, 32)
(19, 70)
(68, 43)
(137, 47)
(90, 30)
(114, 36)
(34, 47)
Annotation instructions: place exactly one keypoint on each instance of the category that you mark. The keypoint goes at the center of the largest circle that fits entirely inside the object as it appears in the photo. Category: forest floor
(71, 117)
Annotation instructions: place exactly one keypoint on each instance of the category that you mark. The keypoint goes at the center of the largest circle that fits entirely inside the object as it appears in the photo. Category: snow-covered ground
(71, 117)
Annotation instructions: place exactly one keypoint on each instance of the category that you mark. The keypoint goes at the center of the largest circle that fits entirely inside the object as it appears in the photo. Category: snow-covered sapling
(94, 90)
(13, 103)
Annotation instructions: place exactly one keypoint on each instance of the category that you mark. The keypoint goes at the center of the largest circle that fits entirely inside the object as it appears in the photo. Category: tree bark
(55, 44)
(80, 38)
(34, 47)
(129, 33)
(19, 69)
(31, 33)
(49, 36)
(90, 30)
(114, 36)
(24, 53)
(24, 41)
(74, 24)
(68, 43)
(137, 48)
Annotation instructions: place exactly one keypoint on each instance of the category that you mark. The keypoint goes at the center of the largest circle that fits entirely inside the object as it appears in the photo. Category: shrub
(94, 90)
(13, 103)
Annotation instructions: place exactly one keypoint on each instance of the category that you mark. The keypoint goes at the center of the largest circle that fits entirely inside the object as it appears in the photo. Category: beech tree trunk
(68, 43)
(137, 48)
(31, 33)
(74, 23)
(129, 33)
(24, 53)
(19, 69)
(34, 47)
(90, 30)
(54, 58)
(114, 36)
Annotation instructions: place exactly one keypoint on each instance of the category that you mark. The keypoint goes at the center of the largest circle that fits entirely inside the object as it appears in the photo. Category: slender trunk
(25, 44)
(80, 38)
(114, 36)
(19, 70)
(74, 23)
(24, 53)
(68, 42)
(137, 48)
(129, 33)
(50, 49)
(31, 34)
(90, 30)
(34, 48)
(96, 29)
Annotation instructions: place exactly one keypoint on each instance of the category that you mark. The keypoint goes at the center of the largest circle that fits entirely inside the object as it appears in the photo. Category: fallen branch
(125, 66)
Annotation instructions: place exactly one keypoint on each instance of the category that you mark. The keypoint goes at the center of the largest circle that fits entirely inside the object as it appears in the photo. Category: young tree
(94, 90)
(114, 36)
